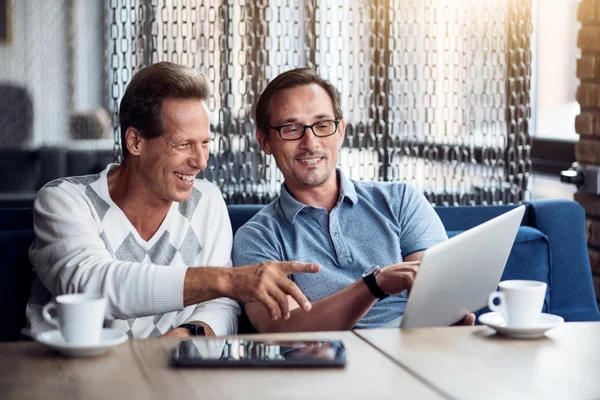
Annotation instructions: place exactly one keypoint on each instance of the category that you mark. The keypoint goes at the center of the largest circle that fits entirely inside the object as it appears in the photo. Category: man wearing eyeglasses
(368, 237)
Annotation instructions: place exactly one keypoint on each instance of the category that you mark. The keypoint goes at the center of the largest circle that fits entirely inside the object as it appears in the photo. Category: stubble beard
(312, 178)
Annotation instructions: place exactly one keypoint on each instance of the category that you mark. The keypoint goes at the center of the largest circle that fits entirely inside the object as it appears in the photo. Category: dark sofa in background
(550, 247)
(24, 172)
(24, 169)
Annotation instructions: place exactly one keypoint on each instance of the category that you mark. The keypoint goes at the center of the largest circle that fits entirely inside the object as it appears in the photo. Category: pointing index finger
(294, 267)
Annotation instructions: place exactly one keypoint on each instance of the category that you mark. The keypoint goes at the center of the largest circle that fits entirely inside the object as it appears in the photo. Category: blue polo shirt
(373, 223)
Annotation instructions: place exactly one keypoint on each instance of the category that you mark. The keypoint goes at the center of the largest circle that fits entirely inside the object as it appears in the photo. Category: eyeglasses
(296, 131)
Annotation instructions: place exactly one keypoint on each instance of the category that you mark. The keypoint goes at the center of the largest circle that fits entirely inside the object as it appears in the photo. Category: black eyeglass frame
(304, 127)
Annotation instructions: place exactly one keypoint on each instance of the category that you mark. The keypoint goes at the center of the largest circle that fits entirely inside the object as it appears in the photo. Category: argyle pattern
(165, 248)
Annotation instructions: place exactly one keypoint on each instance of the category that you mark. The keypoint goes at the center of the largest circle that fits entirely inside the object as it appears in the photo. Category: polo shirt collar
(347, 189)
(291, 207)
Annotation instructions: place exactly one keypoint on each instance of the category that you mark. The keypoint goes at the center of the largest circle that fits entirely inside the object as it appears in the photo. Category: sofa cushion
(239, 214)
(531, 249)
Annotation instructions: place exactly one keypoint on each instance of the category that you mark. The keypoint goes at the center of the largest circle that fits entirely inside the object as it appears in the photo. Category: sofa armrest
(563, 222)
(16, 219)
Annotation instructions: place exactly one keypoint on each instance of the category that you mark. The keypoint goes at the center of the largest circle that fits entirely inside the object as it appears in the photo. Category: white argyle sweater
(85, 243)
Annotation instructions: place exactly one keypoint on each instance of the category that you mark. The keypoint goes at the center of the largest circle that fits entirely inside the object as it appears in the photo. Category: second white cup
(520, 302)
(79, 316)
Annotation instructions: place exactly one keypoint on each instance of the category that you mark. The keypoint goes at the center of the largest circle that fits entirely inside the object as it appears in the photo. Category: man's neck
(323, 196)
(133, 197)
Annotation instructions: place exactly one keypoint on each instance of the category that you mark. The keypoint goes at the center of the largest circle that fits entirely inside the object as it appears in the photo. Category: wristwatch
(193, 329)
(369, 278)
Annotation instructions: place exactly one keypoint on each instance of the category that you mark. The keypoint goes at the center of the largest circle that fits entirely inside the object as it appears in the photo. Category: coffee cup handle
(46, 314)
(501, 305)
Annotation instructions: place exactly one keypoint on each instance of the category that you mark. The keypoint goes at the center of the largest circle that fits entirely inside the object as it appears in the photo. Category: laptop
(457, 276)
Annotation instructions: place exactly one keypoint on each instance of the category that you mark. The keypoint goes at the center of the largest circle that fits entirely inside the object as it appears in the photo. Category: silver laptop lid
(457, 276)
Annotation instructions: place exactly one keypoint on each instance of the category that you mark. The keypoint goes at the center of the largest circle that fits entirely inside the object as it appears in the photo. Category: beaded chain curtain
(435, 92)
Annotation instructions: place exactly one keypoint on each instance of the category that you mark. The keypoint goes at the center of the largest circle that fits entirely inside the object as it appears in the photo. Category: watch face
(193, 329)
(199, 330)
(371, 270)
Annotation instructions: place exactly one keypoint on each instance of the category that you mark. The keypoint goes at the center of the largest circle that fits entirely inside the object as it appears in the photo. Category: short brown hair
(141, 106)
(290, 79)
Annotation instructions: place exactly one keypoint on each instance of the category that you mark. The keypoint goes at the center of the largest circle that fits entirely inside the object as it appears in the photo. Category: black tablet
(259, 353)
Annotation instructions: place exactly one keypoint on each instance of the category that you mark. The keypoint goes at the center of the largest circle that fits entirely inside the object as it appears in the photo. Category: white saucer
(54, 340)
(496, 321)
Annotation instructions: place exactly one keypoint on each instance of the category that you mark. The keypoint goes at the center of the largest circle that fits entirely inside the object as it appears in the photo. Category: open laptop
(457, 276)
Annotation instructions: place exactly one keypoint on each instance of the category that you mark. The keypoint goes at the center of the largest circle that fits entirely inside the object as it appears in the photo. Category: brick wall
(587, 124)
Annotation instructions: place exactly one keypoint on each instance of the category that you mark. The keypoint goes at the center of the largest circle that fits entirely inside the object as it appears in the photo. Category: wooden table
(140, 369)
(454, 363)
(476, 363)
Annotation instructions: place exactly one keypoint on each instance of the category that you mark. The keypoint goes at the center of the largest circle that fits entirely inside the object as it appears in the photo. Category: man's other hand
(397, 278)
(468, 320)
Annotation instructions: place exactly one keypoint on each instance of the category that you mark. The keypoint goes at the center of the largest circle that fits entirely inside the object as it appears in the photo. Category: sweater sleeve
(220, 314)
(70, 256)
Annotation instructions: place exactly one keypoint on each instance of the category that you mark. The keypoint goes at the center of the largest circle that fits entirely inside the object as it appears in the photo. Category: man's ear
(133, 140)
(263, 140)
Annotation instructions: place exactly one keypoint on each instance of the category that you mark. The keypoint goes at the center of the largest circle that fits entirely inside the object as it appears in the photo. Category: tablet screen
(268, 353)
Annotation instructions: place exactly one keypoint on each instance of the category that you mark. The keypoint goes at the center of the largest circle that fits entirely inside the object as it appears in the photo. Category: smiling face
(169, 163)
(310, 161)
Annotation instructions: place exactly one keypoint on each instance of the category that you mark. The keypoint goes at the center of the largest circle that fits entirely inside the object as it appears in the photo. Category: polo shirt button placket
(339, 248)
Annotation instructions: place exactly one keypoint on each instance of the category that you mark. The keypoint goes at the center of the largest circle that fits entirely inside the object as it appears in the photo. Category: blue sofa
(550, 246)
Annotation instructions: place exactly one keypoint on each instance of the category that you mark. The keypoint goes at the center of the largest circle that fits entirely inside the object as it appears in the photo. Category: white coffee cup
(79, 316)
(520, 302)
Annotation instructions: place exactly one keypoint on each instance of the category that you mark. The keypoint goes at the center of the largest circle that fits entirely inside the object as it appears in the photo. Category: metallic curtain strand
(435, 92)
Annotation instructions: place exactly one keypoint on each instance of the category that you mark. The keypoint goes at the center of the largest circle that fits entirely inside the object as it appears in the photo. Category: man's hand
(468, 320)
(267, 283)
(397, 278)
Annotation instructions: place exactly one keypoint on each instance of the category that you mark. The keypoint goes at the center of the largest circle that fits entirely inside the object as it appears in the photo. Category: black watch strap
(374, 287)
(193, 329)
